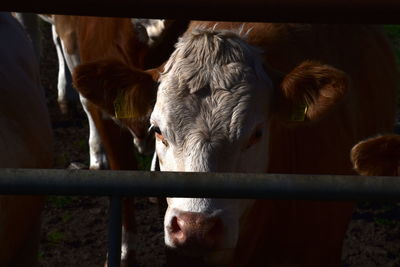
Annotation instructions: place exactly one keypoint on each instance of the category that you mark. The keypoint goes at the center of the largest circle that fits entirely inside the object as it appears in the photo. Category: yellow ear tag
(121, 110)
(299, 113)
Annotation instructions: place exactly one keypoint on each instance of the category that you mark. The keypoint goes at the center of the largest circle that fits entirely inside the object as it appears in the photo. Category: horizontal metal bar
(226, 185)
(341, 11)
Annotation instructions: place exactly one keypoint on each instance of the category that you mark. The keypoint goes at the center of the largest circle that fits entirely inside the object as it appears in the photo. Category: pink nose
(195, 230)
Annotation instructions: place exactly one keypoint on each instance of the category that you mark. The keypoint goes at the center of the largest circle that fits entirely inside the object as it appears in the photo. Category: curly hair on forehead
(206, 58)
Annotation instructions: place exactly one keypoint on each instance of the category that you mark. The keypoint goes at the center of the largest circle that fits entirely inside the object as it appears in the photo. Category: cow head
(213, 110)
(126, 94)
(377, 156)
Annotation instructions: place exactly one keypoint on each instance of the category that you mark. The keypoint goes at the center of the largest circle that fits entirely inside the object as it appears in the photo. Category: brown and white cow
(135, 43)
(25, 141)
(377, 156)
(295, 104)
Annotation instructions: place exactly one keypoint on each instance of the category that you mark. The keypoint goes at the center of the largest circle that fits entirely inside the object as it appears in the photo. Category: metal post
(114, 232)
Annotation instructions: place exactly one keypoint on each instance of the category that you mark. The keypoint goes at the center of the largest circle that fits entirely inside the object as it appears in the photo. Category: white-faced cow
(277, 98)
(377, 156)
(25, 141)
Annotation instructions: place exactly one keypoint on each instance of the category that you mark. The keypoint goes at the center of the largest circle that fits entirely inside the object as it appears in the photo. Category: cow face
(126, 94)
(210, 119)
(212, 114)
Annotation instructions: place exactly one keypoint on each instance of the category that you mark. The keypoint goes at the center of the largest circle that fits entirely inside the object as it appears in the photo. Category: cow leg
(128, 256)
(98, 159)
(62, 82)
(117, 142)
(67, 95)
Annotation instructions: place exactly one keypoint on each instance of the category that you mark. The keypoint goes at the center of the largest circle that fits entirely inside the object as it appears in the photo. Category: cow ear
(377, 156)
(309, 92)
(121, 91)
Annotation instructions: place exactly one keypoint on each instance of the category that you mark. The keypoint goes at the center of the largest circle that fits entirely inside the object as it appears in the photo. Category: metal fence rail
(184, 184)
(226, 185)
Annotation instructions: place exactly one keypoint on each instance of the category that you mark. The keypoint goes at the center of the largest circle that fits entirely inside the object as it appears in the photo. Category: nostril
(176, 231)
(174, 226)
(195, 230)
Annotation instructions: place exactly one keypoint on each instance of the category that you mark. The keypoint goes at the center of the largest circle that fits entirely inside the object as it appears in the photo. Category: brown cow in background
(101, 44)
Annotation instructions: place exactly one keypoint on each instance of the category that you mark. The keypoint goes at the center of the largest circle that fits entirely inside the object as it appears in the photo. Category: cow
(138, 43)
(378, 156)
(261, 97)
(25, 142)
(108, 49)
(158, 35)
(276, 98)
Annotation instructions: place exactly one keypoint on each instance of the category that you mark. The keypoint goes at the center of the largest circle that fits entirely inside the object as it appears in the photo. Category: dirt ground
(74, 228)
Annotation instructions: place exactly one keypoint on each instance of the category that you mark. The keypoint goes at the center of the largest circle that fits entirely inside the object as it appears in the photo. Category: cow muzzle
(194, 231)
(204, 229)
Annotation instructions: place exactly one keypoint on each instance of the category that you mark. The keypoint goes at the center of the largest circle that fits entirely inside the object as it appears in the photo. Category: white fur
(128, 243)
(98, 159)
(62, 81)
(212, 96)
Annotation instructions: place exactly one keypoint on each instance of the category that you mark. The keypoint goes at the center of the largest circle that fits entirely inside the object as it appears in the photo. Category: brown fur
(378, 156)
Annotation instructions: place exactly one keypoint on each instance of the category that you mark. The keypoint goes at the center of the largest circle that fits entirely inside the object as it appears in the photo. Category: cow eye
(255, 137)
(158, 134)
(157, 130)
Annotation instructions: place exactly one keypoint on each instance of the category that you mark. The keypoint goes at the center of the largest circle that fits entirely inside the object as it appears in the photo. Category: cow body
(354, 98)
(26, 141)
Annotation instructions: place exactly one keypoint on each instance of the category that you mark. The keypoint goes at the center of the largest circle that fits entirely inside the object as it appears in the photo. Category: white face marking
(212, 115)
